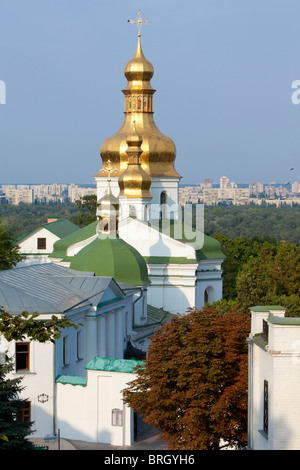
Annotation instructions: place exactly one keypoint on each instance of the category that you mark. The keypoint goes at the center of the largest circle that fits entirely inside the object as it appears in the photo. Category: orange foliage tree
(193, 386)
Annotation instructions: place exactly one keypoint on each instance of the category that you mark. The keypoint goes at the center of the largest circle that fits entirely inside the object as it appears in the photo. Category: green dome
(112, 256)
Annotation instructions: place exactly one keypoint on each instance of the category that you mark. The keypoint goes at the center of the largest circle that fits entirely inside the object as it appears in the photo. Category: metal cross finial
(109, 169)
(139, 21)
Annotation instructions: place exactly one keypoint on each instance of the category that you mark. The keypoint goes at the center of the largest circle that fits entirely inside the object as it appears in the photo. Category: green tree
(272, 277)
(237, 251)
(14, 432)
(9, 251)
(87, 206)
(26, 326)
(193, 386)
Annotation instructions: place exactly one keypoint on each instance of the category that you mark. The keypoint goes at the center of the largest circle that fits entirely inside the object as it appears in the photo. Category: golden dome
(158, 151)
(134, 182)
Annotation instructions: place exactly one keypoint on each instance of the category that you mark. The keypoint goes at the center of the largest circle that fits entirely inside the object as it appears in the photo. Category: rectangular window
(65, 350)
(266, 406)
(22, 356)
(24, 414)
(79, 345)
(41, 243)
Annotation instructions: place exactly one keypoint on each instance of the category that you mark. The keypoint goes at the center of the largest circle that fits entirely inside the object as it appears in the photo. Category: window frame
(42, 241)
(23, 415)
(25, 353)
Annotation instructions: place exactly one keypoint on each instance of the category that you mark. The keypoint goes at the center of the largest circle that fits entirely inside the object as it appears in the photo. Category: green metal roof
(205, 247)
(60, 247)
(112, 256)
(266, 308)
(284, 320)
(72, 380)
(61, 228)
(113, 365)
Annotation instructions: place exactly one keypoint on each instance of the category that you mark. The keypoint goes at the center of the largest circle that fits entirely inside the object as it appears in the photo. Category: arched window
(146, 213)
(163, 204)
(209, 295)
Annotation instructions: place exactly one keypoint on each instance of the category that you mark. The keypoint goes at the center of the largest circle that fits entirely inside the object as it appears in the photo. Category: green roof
(71, 379)
(206, 247)
(266, 308)
(113, 365)
(61, 228)
(113, 257)
(284, 320)
(60, 247)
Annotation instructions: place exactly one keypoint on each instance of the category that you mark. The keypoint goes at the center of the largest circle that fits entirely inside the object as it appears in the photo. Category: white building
(36, 245)
(75, 384)
(274, 380)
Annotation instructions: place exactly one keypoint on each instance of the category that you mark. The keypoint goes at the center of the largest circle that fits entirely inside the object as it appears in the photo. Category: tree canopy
(193, 387)
(9, 252)
(86, 206)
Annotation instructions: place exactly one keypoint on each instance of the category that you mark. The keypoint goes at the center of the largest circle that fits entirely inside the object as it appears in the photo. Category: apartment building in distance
(228, 192)
(43, 193)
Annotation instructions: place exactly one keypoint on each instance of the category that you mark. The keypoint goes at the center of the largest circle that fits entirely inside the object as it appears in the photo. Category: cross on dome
(139, 21)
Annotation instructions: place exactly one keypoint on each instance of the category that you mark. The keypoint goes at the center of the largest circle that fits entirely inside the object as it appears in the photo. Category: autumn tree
(193, 386)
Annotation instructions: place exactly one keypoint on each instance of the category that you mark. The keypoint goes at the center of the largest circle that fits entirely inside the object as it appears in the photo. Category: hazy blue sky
(223, 74)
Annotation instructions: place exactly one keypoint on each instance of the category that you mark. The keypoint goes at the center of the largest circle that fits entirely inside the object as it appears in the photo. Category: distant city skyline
(226, 78)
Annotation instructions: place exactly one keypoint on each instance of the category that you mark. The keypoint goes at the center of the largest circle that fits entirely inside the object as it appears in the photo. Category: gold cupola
(158, 151)
(134, 182)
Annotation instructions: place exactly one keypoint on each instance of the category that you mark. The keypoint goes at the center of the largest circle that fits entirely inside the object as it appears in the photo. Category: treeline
(24, 218)
(264, 222)
(276, 223)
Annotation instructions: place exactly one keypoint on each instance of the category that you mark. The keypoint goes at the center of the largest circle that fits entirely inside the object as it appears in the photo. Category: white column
(119, 334)
(90, 338)
(110, 335)
(102, 336)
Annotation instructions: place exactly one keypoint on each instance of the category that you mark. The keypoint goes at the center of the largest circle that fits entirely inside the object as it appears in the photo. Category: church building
(120, 278)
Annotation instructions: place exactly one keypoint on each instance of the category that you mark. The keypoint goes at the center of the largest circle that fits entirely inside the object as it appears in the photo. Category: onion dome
(134, 182)
(158, 151)
(112, 257)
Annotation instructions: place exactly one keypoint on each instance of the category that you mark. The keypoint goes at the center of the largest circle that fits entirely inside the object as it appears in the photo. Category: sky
(223, 71)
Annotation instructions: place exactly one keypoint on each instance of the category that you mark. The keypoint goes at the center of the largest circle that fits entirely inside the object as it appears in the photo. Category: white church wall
(172, 286)
(38, 383)
(150, 242)
(85, 412)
